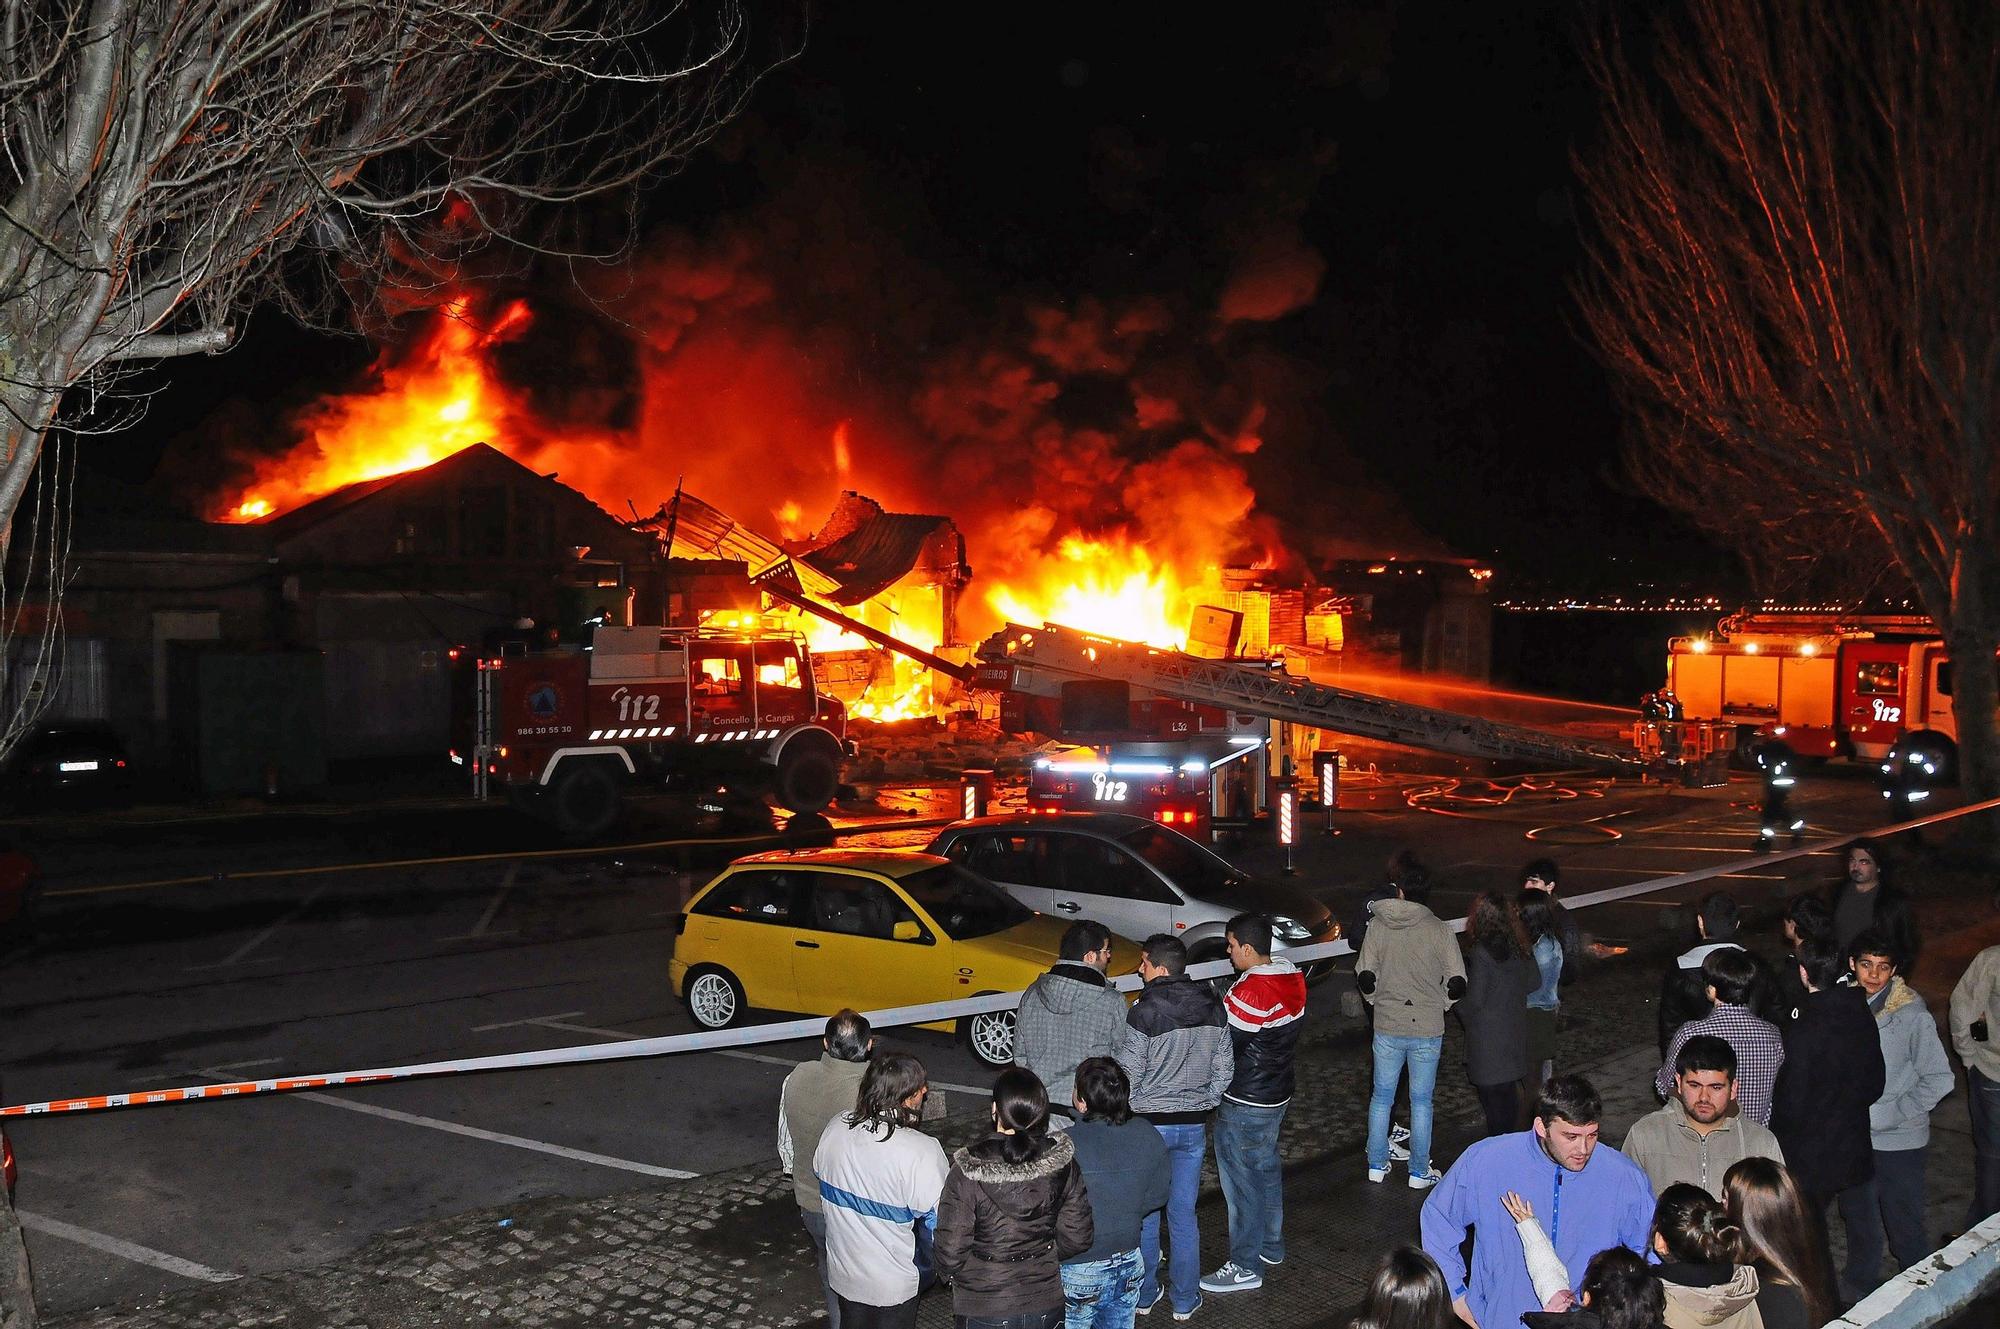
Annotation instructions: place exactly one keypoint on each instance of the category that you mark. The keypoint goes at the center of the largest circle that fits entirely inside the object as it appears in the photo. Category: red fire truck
(1824, 686)
(1199, 786)
(564, 731)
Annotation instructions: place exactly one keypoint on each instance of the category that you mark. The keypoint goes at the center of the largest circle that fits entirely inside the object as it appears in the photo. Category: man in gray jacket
(1916, 1078)
(814, 1094)
(1411, 971)
(1071, 1013)
(1176, 1052)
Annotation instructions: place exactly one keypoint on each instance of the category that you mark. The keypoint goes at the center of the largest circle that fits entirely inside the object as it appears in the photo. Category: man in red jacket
(1264, 1006)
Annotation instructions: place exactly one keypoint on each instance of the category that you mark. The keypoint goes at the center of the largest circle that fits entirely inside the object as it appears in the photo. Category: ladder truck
(1051, 661)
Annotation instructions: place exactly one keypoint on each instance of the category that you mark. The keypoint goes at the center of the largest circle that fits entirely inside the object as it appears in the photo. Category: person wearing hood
(1013, 1209)
(1917, 1077)
(1265, 1006)
(1697, 1245)
(1410, 971)
(1072, 1012)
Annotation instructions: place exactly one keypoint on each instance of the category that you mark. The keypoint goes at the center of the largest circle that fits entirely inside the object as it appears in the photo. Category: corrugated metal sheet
(873, 557)
(79, 684)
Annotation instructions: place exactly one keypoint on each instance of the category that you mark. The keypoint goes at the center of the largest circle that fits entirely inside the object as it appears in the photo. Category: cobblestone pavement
(727, 1249)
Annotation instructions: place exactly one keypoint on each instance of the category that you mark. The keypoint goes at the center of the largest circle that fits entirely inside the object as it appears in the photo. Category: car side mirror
(907, 930)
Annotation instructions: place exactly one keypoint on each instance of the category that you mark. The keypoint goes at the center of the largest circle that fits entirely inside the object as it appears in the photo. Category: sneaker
(1271, 1262)
(1145, 1307)
(1188, 1314)
(1399, 1143)
(1377, 1173)
(1232, 1277)
(1425, 1181)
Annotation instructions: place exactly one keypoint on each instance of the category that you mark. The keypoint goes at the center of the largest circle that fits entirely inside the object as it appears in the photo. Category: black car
(69, 762)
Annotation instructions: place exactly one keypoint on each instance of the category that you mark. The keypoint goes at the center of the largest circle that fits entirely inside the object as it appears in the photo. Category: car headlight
(1290, 929)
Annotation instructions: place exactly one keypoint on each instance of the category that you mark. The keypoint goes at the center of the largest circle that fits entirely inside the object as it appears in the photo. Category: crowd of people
(1789, 1092)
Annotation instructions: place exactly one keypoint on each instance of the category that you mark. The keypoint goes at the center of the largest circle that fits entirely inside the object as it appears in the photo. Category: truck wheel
(584, 800)
(808, 777)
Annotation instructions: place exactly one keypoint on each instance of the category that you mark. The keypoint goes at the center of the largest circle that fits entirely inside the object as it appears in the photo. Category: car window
(1878, 678)
(963, 904)
(857, 906)
(1000, 857)
(754, 897)
(1182, 861)
(1091, 866)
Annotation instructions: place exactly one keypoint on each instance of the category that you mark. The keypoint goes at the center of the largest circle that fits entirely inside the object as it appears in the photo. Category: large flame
(1106, 585)
(436, 400)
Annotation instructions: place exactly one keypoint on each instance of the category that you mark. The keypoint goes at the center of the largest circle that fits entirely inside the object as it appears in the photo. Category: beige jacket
(1977, 997)
(1666, 1144)
(1730, 1305)
(1417, 966)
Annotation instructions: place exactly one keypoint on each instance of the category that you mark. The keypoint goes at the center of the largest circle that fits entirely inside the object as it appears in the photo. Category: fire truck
(564, 731)
(1202, 787)
(1824, 686)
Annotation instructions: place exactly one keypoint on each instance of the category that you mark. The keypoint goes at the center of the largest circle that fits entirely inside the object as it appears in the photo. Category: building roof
(876, 554)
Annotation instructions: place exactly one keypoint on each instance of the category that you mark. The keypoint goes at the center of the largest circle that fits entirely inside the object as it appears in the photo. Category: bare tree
(168, 164)
(1794, 279)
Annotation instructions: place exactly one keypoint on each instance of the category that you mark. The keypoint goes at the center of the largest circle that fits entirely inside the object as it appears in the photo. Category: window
(1878, 678)
(1944, 678)
(965, 906)
(1015, 859)
(857, 906)
(753, 897)
(1182, 861)
(718, 675)
(482, 522)
(420, 531)
(777, 665)
(1098, 867)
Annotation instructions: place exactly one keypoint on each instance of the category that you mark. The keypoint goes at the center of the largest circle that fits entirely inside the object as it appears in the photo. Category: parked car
(820, 929)
(1134, 876)
(69, 762)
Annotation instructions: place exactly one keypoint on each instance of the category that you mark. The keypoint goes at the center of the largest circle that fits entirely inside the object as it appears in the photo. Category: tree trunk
(1975, 694)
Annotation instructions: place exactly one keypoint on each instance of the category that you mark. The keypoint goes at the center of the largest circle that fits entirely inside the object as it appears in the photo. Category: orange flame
(432, 403)
(1107, 585)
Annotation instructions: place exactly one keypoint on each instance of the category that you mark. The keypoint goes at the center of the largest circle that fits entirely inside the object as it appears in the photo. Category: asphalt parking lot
(304, 972)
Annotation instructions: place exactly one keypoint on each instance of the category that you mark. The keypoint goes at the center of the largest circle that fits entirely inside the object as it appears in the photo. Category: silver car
(1134, 876)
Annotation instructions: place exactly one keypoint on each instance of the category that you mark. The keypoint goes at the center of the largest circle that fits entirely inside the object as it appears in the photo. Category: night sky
(1415, 157)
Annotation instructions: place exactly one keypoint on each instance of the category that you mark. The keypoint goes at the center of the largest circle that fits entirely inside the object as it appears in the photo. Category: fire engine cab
(564, 731)
(1825, 687)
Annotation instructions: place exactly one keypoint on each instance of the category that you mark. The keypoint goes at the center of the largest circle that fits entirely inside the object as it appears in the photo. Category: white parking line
(236, 956)
(124, 1250)
(492, 910)
(491, 1137)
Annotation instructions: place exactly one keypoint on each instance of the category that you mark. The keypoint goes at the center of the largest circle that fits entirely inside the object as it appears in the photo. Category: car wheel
(714, 997)
(990, 1038)
(1202, 953)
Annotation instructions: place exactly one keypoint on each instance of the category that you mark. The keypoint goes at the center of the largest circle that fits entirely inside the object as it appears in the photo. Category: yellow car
(818, 930)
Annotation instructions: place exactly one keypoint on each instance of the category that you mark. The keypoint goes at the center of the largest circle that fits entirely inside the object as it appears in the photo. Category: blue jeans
(1246, 1156)
(815, 1222)
(1892, 1202)
(1185, 1146)
(1392, 1053)
(1983, 1100)
(1103, 1293)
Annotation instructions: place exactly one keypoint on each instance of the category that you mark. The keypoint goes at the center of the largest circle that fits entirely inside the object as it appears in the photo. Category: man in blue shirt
(1589, 1198)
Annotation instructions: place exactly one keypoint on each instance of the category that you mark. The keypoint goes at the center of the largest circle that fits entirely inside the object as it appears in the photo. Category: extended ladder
(1056, 653)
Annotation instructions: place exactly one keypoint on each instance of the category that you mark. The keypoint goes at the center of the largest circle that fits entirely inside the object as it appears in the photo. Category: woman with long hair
(1782, 1242)
(1499, 975)
(1698, 1247)
(1013, 1209)
(1543, 929)
(1408, 1292)
(879, 1183)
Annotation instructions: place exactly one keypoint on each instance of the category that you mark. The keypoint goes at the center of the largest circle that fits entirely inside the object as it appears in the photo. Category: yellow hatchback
(818, 930)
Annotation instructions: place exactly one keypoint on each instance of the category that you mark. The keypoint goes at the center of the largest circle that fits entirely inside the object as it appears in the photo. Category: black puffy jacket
(1004, 1229)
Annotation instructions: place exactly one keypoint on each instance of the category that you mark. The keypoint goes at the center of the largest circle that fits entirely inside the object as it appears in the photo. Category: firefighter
(1780, 766)
(1908, 773)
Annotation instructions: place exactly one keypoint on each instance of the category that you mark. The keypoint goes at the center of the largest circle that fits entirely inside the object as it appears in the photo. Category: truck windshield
(1182, 861)
(964, 904)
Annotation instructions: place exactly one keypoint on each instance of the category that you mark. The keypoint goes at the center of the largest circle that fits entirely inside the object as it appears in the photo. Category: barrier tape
(815, 1026)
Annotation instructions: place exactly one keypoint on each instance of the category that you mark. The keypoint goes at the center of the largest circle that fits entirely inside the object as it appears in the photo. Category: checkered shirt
(1759, 1053)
